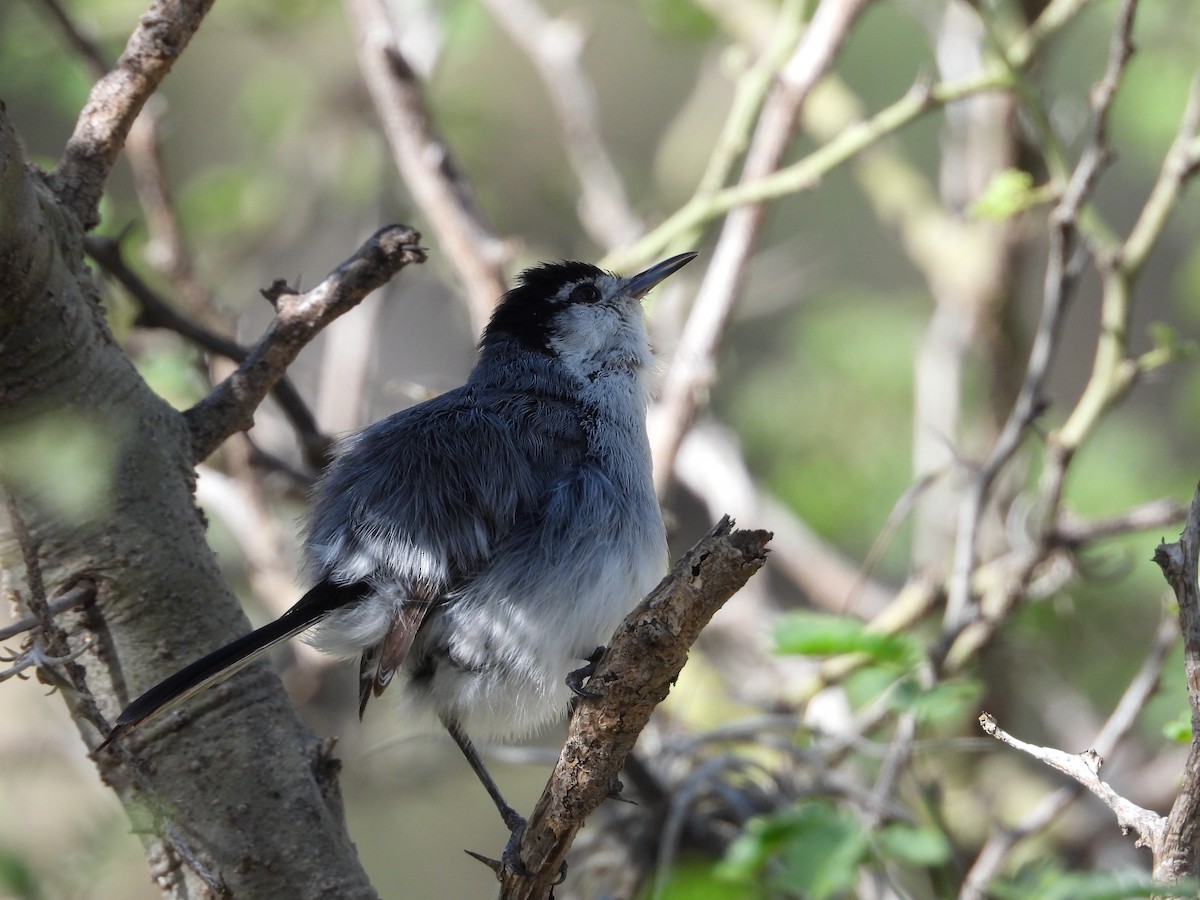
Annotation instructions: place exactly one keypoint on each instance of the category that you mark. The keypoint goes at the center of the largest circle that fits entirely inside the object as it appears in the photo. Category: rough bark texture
(235, 777)
(1177, 854)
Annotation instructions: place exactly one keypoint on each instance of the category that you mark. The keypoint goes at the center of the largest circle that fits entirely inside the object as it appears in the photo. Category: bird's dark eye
(584, 292)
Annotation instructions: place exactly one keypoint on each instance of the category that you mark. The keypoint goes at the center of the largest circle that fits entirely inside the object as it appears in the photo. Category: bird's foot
(576, 678)
(511, 857)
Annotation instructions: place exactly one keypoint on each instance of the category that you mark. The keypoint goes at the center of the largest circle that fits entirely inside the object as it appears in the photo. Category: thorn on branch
(35, 657)
(494, 864)
(279, 288)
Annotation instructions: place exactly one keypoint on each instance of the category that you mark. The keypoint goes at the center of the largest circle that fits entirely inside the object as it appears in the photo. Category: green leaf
(946, 701)
(1167, 341)
(17, 879)
(1047, 883)
(691, 880)
(816, 848)
(915, 846)
(821, 860)
(1009, 192)
(1179, 729)
(824, 634)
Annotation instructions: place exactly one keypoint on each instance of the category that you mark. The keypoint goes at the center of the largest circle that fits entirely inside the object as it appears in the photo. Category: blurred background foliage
(279, 169)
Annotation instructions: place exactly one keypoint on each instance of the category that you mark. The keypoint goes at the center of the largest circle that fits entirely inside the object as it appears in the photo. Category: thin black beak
(640, 284)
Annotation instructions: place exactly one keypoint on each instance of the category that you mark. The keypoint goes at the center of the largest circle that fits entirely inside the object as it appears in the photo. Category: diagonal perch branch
(299, 318)
(642, 662)
(163, 32)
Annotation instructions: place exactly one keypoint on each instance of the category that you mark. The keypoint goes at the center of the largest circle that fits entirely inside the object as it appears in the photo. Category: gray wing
(416, 504)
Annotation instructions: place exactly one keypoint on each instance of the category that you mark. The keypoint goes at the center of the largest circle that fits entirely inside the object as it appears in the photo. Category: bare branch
(116, 99)
(299, 318)
(75, 598)
(806, 173)
(693, 365)
(1073, 533)
(1113, 372)
(642, 662)
(1177, 857)
(1137, 694)
(426, 163)
(555, 46)
(1084, 768)
(1062, 272)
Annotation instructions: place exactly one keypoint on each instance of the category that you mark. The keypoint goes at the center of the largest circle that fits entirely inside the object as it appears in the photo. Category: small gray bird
(481, 544)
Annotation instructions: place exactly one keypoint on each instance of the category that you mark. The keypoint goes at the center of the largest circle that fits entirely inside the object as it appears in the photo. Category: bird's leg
(576, 678)
(513, 820)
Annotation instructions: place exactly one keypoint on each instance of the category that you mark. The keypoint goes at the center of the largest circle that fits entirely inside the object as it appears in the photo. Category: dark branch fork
(300, 317)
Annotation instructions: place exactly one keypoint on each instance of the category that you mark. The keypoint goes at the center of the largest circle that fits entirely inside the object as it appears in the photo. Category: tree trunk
(99, 479)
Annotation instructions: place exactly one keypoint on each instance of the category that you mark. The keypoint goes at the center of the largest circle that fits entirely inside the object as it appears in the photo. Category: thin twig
(806, 173)
(87, 49)
(751, 90)
(1074, 534)
(1062, 272)
(77, 597)
(678, 808)
(50, 632)
(166, 249)
(299, 318)
(1120, 722)
(426, 163)
(693, 364)
(52, 653)
(114, 102)
(1085, 768)
(1113, 372)
(555, 46)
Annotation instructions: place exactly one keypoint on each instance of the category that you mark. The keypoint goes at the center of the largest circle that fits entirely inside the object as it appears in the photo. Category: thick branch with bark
(1179, 854)
(643, 660)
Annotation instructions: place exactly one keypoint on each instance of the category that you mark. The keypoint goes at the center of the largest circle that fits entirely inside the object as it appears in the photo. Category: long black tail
(321, 600)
